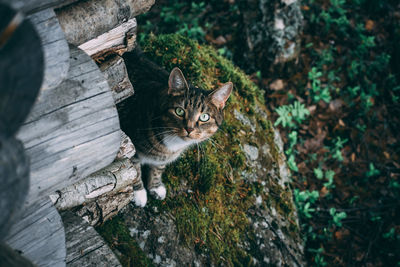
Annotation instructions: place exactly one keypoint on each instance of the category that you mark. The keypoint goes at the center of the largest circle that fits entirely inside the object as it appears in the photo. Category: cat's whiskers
(158, 142)
(157, 128)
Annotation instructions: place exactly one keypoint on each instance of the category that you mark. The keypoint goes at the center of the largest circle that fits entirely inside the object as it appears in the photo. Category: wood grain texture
(55, 47)
(39, 234)
(14, 180)
(21, 70)
(73, 129)
(102, 194)
(115, 71)
(87, 20)
(11, 258)
(116, 41)
(85, 247)
(31, 6)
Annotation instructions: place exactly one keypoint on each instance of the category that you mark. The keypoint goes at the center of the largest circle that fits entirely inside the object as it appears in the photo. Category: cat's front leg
(139, 192)
(154, 183)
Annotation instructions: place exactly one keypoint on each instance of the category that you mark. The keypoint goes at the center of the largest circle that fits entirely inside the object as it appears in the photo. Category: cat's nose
(189, 129)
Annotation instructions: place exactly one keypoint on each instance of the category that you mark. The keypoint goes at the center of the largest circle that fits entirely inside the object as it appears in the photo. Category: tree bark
(269, 34)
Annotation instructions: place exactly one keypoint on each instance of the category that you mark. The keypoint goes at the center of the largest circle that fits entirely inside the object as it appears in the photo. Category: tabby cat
(164, 117)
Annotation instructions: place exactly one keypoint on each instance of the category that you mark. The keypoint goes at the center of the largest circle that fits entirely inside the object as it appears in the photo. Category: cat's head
(193, 114)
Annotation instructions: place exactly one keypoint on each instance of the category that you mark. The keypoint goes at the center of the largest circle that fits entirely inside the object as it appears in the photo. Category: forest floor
(338, 113)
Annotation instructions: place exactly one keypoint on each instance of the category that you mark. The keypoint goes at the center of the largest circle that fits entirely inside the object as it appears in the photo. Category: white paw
(140, 197)
(159, 192)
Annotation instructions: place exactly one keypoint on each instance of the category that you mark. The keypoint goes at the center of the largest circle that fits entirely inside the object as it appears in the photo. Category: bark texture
(269, 34)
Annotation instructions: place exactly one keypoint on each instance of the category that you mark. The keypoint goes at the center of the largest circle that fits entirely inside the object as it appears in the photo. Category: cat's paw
(158, 192)
(140, 198)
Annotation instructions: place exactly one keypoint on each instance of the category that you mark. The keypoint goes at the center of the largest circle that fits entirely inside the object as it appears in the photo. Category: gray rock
(251, 152)
(244, 120)
(157, 235)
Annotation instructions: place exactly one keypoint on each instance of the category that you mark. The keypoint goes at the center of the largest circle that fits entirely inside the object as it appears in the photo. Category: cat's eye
(180, 112)
(204, 117)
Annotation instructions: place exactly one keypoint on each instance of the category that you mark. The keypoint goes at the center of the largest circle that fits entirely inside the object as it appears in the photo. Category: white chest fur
(175, 144)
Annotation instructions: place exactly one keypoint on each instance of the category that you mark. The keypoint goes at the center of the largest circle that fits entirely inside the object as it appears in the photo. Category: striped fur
(150, 118)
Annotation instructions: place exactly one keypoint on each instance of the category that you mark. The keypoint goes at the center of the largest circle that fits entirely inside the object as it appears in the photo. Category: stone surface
(157, 236)
(85, 247)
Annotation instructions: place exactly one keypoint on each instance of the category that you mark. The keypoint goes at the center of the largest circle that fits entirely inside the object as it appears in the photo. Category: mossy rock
(229, 197)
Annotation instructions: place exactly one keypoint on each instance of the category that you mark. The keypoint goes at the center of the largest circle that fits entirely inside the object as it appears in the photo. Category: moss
(116, 234)
(212, 215)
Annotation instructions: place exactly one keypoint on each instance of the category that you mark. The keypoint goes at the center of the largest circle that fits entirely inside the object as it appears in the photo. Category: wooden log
(11, 258)
(55, 47)
(104, 193)
(14, 180)
(114, 70)
(21, 68)
(81, 26)
(116, 41)
(109, 180)
(106, 206)
(73, 129)
(127, 149)
(39, 234)
(32, 6)
(85, 247)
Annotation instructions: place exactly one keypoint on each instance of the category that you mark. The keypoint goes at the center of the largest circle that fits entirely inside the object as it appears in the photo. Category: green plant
(318, 91)
(372, 170)
(289, 114)
(391, 234)
(337, 217)
(303, 200)
(337, 149)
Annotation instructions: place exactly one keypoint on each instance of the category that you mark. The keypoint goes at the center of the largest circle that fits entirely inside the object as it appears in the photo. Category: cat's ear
(177, 84)
(219, 96)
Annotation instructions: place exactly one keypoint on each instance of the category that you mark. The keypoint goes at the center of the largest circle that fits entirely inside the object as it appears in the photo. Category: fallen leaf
(369, 25)
(219, 41)
(324, 191)
(276, 85)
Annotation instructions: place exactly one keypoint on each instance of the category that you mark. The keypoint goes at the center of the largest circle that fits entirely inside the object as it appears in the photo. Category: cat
(165, 116)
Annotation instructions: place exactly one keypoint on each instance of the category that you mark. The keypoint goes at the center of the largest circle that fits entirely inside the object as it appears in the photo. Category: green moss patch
(116, 234)
(211, 215)
(209, 193)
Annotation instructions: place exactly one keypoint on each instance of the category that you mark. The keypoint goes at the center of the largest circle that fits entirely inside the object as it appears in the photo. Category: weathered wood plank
(21, 69)
(81, 26)
(117, 41)
(116, 74)
(73, 129)
(39, 234)
(31, 6)
(11, 258)
(55, 47)
(85, 247)
(14, 180)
